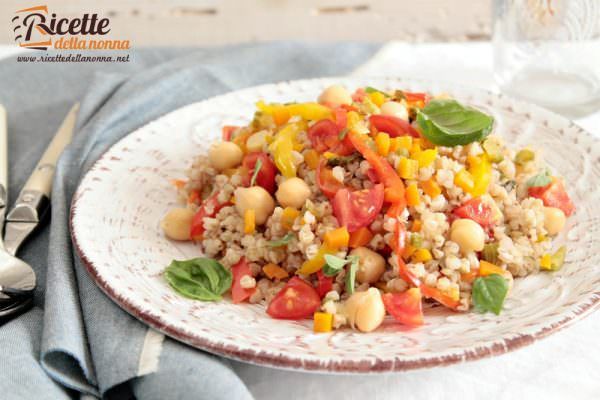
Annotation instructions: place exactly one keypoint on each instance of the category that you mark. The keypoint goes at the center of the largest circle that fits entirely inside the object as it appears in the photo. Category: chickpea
(335, 95)
(554, 220)
(394, 109)
(365, 310)
(257, 141)
(293, 192)
(176, 223)
(468, 234)
(371, 265)
(254, 198)
(225, 155)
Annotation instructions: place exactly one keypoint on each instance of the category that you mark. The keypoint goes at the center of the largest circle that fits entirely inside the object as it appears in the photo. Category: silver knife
(3, 169)
(34, 199)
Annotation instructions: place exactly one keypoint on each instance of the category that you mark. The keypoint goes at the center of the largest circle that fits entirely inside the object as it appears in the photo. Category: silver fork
(17, 278)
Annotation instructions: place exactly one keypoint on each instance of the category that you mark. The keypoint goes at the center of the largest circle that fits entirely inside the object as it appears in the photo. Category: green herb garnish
(334, 264)
(257, 168)
(446, 122)
(351, 275)
(343, 133)
(199, 278)
(342, 160)
(490, 253)
(370, 89)
(489, 292)
(540, 180)
(281, 242)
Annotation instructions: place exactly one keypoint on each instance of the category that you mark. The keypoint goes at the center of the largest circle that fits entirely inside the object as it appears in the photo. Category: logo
(35, 28)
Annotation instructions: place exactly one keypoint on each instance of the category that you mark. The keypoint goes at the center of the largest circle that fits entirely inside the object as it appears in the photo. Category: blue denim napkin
(76, 341)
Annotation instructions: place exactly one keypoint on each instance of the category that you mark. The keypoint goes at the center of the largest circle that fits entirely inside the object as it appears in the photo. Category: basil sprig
(199, 278)
(446, 122)
(257, 168)
(334, 264)
(489, 292)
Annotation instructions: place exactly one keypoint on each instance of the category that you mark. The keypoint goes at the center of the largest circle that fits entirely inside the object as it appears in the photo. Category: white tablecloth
(564, 365)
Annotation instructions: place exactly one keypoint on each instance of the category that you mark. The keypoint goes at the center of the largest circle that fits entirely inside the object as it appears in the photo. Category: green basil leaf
(334, 264)
(540, 180)
(370, 89)
(281, 242)
(489, 292)
(446, 122)
(257, 168)
(351, 275)
(199, 278)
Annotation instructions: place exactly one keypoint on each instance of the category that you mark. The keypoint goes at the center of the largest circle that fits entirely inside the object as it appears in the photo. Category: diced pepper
(193, 197)
(404, 142)
(274, 271)
(316, 263)
(558, 258)
(469, 276)
(249, 221)
(416, 146)
(360, 237)
(431, 188)
(178, 183)
(416, 225)
(412, 195)
(382, 142)
(409, 250)
(421, 255)
(481, 171)
(241, 140)
(487, 268)
(337, 238)
(449, 301)
(281, 113)
(546, 262)
(493, 150)
(311, 158)
(464, 180)
(288, 216)
(426, 157)
(524, 156)
(377, 97)
(323, 322)
(407, 168)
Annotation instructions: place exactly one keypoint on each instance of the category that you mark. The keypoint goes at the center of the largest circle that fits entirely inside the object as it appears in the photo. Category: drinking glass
(548, 52)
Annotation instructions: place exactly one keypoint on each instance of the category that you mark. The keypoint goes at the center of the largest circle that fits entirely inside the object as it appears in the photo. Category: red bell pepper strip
(393, 126)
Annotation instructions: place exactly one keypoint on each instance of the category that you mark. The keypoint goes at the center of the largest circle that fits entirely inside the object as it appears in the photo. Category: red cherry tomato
(210, 204)
(412, 97)
(355, 209)
(405, 307)
(341, 117)
(266, 175)
(227, 132)
(296, 300)
(325, 180)
(476, 210)
(554, 195)
(324, 283)
(359, 95)
(324, 136)
(393, 126)
(239, 270)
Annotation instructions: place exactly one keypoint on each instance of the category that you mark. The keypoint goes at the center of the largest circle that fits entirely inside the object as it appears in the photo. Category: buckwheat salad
(365, 204)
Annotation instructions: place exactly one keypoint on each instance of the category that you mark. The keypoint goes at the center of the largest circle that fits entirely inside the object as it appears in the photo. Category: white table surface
(563, 365)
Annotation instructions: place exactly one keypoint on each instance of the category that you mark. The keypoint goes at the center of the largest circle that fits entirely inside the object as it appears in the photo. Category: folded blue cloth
(75, 334)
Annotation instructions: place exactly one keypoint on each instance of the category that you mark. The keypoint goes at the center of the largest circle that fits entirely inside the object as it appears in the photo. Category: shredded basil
(540, 180)
(446, 122)
(489, 292)
(257, 168)
(281, 242)
(199, 278)
(343, 133)
(334, 264)
(342, 160)
(351, 275)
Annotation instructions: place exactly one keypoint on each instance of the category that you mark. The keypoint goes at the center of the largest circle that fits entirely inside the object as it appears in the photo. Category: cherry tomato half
(324, 283)
(266, 175)
(296, 300)
(393, 126)
(212, 204)
(356, 209)
(476, 210)
(325, 180)
(554, 195)
(239, 270)
(324, 136)
(405, 307)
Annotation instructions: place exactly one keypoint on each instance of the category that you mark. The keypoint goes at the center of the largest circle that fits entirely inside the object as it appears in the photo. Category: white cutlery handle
(41, 178)
(3, 149)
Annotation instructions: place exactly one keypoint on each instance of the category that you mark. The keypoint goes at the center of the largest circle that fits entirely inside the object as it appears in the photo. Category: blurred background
(217, 22)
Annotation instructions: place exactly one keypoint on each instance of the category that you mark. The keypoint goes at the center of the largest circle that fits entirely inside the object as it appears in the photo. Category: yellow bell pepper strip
(407, 168)
(249, 221)
(323, 322)
(281, 149)
(288, 216)
(317, 262)
(487, 268)
(281, 113)
(481, 171)
(382, 142)
(394, 187)
(425, 158)
(464, 180)
(311, 158)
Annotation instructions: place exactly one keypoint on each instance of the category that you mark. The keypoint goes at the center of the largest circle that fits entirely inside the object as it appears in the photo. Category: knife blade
(34, 199)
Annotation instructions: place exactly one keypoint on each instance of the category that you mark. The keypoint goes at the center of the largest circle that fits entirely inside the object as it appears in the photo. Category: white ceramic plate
(118, 206)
